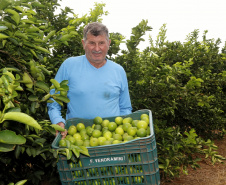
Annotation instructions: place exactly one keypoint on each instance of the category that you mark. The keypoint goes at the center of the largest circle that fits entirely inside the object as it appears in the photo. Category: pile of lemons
(105, 132)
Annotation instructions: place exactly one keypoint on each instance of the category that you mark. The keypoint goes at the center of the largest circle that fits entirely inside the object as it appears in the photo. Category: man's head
(95, 29)
(96, 43)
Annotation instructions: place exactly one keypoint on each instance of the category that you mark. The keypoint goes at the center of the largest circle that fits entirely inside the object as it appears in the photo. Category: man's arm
(124, 99)
(54, 109)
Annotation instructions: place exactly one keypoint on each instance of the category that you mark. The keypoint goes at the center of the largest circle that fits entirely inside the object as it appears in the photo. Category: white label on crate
(114, 159)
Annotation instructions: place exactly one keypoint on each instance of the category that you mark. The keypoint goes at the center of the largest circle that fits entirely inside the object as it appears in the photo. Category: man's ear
(109, 42)
(83, 43)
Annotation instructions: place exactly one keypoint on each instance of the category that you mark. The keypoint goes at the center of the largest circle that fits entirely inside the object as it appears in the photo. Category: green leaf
(62, 98)
(2, 28)
(42, 85)
(64, 82)
(19, 8)
(3, 36)
(21, 35)
(14, 109)
(85, 152)
(22, 118)
(17, 151)
(76, 152)
(68, 153)
(6, 147)
(65, 37)
(33, 98)
(15, 15)
(42, 49)
(49, 35)
(57, 127)
(38, 4)
(10, 137)
(21, 182)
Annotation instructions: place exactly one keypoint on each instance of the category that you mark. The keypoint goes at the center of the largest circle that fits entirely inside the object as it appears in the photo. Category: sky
(180, 16)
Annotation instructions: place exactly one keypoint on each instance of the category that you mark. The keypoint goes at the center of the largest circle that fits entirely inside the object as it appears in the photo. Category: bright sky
(180, 16)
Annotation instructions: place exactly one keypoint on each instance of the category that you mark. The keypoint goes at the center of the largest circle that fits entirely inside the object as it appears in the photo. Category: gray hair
(95, 29)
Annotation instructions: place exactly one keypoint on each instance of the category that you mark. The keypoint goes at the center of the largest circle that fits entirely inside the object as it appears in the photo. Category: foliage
(182, 83)
(177, 150)
(33, 43)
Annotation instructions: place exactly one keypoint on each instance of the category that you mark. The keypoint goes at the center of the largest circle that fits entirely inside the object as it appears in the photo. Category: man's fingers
(64, 133)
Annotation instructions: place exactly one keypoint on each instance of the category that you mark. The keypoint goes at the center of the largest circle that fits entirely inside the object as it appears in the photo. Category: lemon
(97, 120)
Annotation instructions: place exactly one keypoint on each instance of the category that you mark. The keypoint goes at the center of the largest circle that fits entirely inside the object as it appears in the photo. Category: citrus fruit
(97, 120)
(142, 124)
(145, 119)
(107, 142)
(68, 136)
(72, 130)
(97, 127)
(107, 135)
(112, 126)
(89, 130)
(127, 120)
(62, 143)
(132, 131)
(96, 133)
(80, 126)
(105, 123)
(83, 131)
(85, 137)
(125, 126)
(118, 120)
(116, 142)
(77, 136)
(102, 140)
(117, 137)
(144, 115)
(78, 142)
(141, 132)
(134, 123)
(124, 135)
(119, 130)
(72, 140)
(94, 142)
(86, 143)
(129, 138)
(111, 139)
(104, 129)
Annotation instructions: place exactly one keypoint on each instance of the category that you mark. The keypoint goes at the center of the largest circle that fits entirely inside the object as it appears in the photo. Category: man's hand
(64, 133)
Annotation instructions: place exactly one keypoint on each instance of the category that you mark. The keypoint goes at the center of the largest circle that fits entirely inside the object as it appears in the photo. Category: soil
(207, 174)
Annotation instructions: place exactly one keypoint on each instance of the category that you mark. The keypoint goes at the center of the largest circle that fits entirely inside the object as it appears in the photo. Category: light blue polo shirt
(92, 92)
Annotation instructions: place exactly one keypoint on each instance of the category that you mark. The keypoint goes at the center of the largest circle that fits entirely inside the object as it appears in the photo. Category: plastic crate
(133, 162)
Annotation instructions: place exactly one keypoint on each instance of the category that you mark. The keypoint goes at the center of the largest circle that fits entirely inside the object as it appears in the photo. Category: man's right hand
(64, 133)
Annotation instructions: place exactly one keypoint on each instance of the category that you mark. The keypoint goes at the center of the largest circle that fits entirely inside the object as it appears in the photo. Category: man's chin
(98, 60)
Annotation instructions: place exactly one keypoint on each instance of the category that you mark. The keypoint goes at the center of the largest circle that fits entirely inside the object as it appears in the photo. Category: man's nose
(97, 47)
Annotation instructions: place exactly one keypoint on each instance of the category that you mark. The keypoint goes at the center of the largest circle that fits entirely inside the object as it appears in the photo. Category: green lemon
(62, 143)
(97, 120)
(80, 126)
(72, 130)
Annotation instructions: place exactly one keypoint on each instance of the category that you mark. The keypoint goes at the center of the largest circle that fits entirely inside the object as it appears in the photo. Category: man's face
(96, 48)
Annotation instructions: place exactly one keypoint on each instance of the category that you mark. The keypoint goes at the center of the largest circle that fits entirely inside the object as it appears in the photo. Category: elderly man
(97, 86)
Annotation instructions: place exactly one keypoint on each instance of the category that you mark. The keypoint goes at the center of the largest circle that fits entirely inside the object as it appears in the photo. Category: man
(97, 86)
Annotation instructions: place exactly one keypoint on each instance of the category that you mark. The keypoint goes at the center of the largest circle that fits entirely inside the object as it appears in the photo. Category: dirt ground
(207, 174)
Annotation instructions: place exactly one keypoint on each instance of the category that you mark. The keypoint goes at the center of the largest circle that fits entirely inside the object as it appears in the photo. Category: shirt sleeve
(54, 109)
(124, 99)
